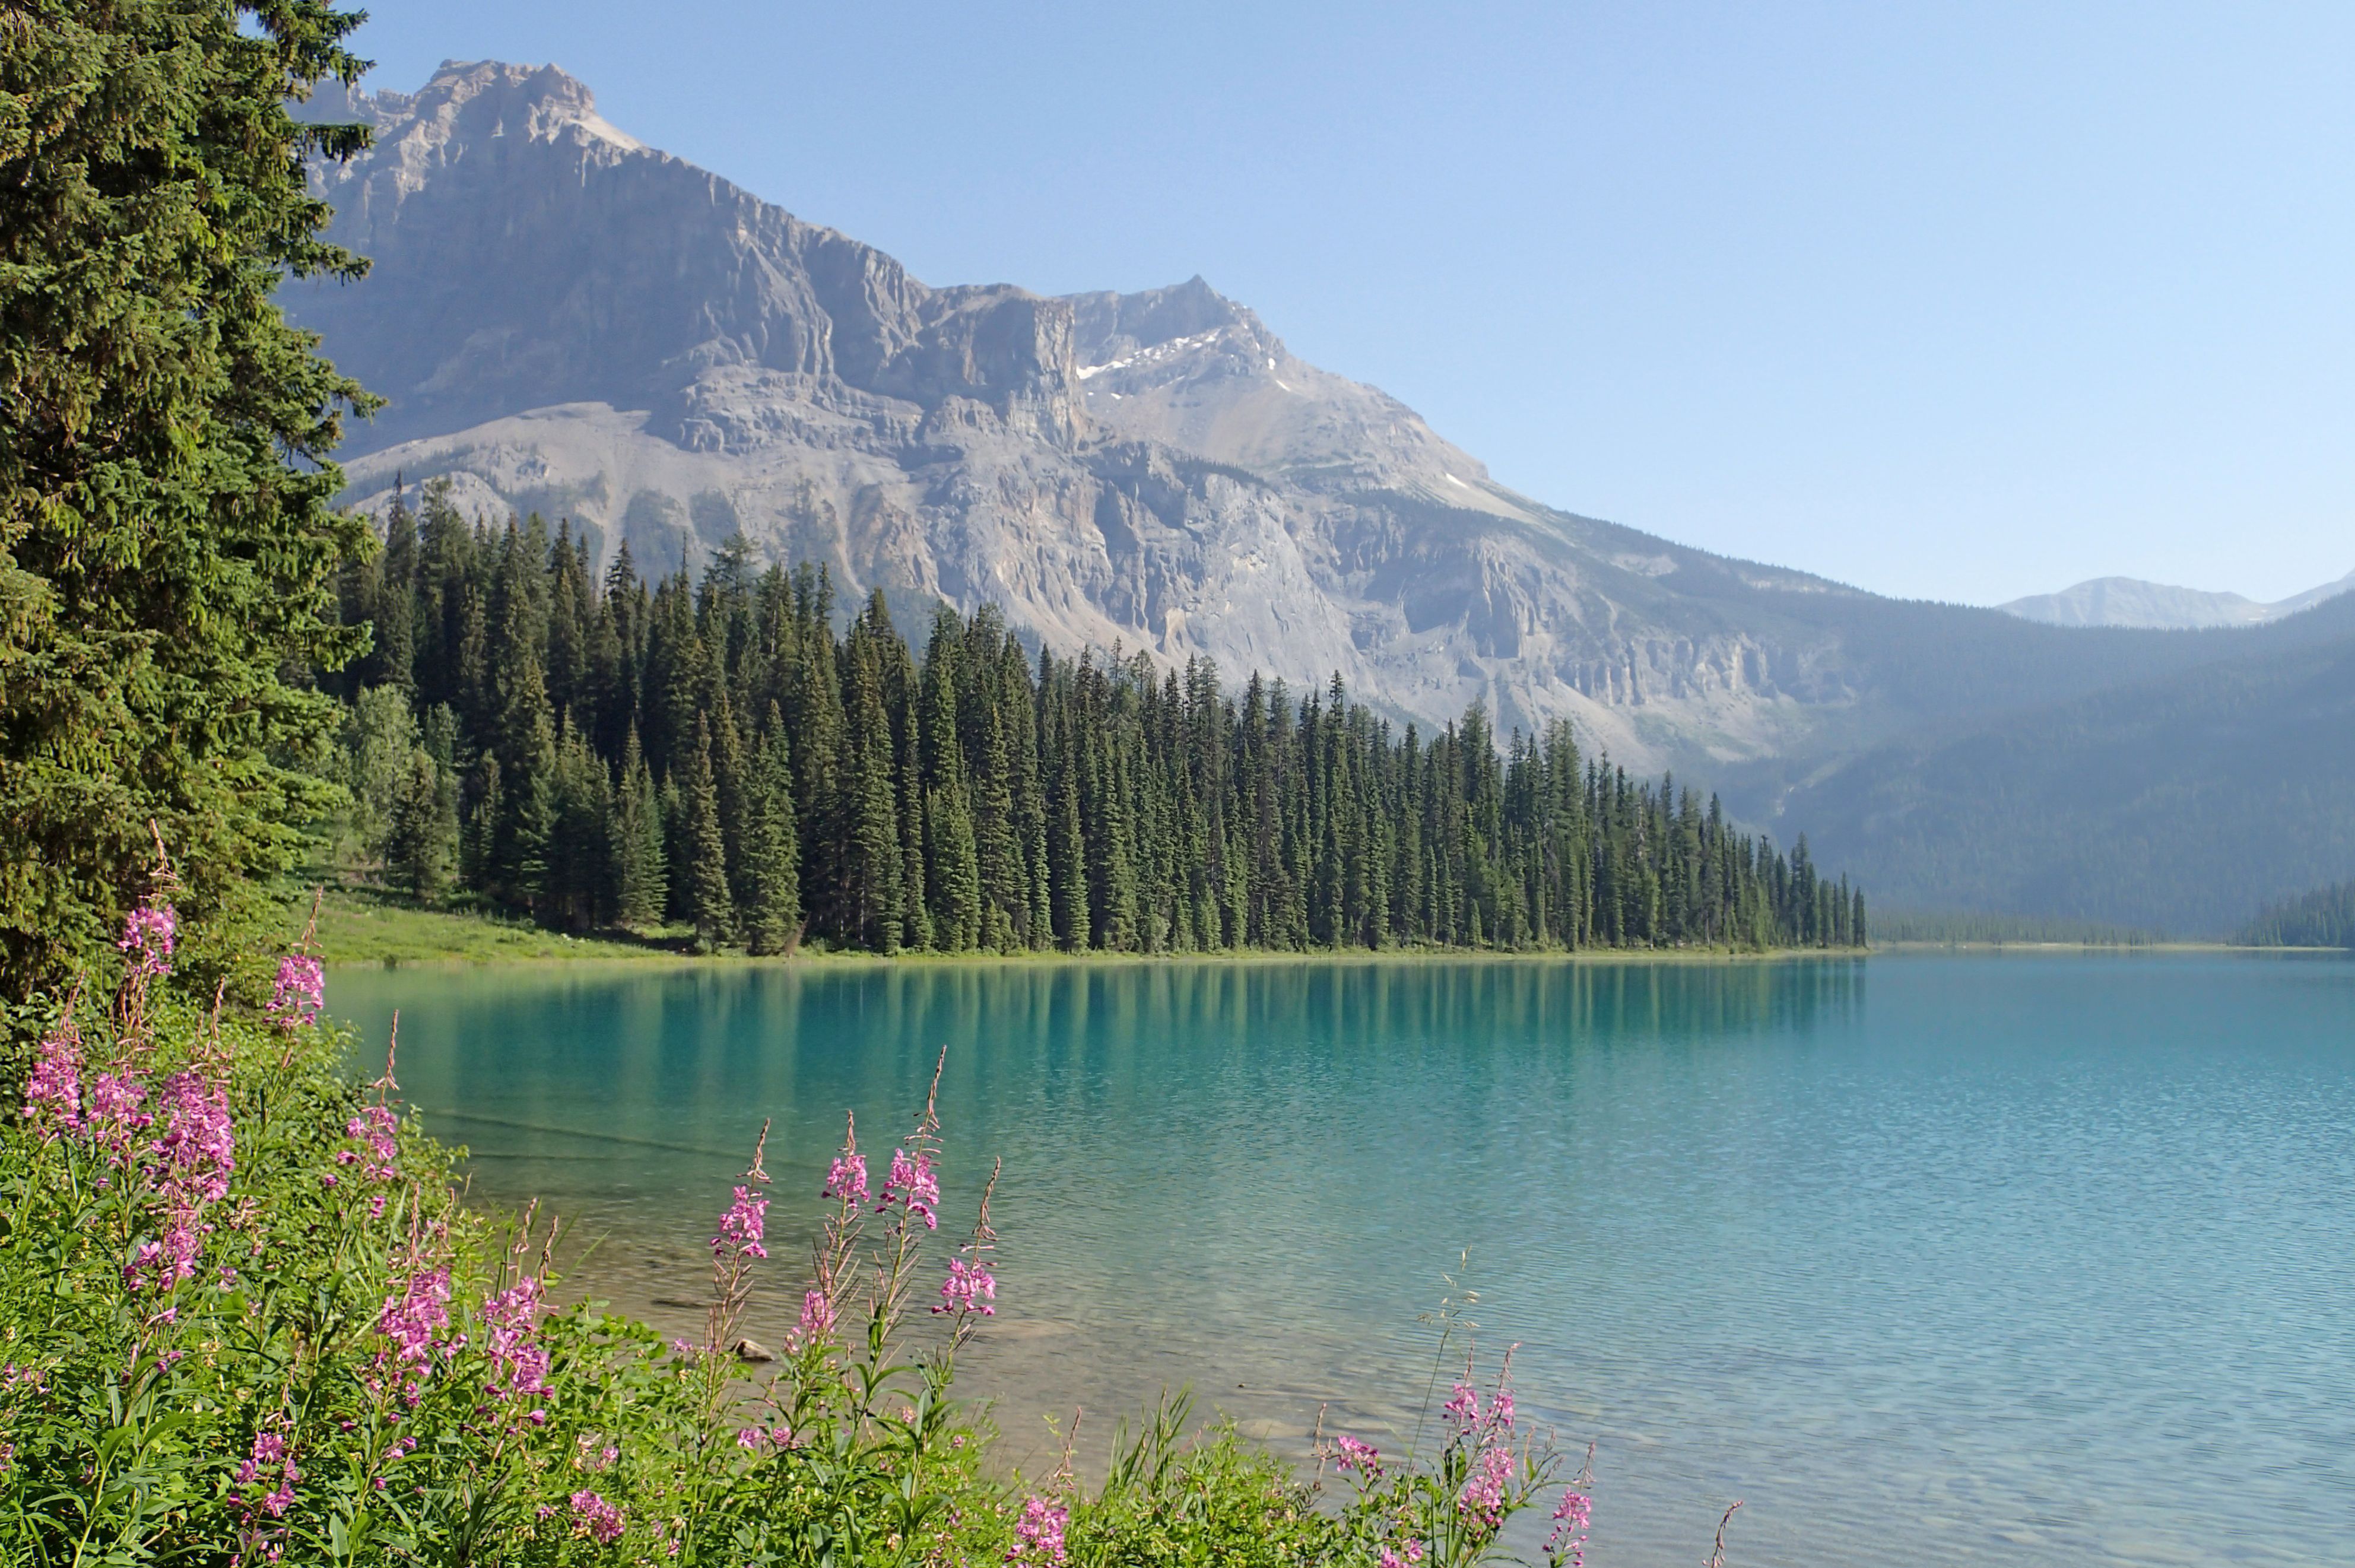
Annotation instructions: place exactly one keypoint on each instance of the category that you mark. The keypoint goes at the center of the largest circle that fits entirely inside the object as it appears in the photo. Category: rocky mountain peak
(466, 108)
(1114, 328)
(527, 254)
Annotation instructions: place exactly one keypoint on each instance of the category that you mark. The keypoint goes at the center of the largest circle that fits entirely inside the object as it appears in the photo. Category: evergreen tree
(168, 542)
(641, 882)
(868, 910)
(421, 854)
(710, 908)
(577, 871)
(679, 850)
(953, 880)
(771, 917)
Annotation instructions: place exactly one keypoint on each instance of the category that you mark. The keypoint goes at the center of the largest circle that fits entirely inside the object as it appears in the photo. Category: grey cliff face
(527, 254)
(566, 320)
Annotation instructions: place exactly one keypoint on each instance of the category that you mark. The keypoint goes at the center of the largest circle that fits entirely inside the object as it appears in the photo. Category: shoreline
(356, 930)
(359, 930)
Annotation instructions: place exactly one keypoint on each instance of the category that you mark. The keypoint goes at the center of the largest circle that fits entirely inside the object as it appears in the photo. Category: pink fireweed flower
(188, 1167)
(375, 1128)
(198, 1151)
(913, 1184)
(117, 1114)
(414, 1319)
(300, 993)
(1482, 1499)
(53, 1093)
(1038, 1534)
(1362, 1457)
(1464, 1410)
(269, 1453)
(741, 1227)
(1570, 1519)
(518, 1360)
(968, 1289)
(596, 1518)
(147, 936)
(817, 1315)
(846, 1178)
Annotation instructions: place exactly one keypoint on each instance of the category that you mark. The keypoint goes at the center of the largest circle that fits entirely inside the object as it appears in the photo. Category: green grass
(359, 927)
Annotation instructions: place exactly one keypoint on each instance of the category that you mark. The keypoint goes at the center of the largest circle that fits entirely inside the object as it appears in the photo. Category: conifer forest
(718, 755)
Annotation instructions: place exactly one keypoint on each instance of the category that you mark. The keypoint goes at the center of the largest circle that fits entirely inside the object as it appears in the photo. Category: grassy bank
(358, 926)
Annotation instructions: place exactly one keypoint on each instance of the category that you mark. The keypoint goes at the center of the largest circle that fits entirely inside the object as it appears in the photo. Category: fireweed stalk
(1452, 1510)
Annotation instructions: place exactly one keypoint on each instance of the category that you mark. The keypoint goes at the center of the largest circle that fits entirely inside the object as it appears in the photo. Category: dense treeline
(611, 753)
(2323, 918)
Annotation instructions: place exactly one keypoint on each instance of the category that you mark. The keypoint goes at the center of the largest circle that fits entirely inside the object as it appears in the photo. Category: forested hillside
(603, 751)
(2323, 918)
(2181, 803)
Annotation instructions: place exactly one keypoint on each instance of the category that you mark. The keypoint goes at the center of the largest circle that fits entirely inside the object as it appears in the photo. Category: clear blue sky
(1959, 301)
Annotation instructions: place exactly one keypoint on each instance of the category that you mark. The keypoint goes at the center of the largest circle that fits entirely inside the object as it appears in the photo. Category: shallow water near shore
(1941, 1259)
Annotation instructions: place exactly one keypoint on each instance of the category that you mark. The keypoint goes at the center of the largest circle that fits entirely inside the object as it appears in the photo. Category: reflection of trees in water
(622, 1090)
(1276, 1004)
(774, 1036)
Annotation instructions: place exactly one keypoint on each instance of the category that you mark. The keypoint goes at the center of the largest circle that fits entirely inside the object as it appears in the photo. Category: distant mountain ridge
(2129, 601)
(568, 320)
(2182, 802)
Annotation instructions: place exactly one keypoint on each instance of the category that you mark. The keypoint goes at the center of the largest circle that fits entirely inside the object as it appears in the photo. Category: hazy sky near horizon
(1957, 301)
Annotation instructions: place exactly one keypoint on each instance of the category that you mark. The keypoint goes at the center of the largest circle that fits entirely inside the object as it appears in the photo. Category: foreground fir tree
(168, 544)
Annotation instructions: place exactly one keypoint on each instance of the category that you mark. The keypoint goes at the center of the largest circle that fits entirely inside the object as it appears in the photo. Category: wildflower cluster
(914, 1186)
(1453, 1509)
(148, 936)
(846, 1177)
(53, 1090)
(596, 1518)
(188, 1168)
(1038, 1534)
(300, 992)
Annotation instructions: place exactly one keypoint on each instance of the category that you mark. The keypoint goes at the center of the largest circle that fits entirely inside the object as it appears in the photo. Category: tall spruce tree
(867, 891)
(641, 884)
(772, 915)
(421, 855)
(710, 907)
(168, 541)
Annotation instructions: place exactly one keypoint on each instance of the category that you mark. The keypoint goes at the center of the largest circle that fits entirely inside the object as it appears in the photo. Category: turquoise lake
(1930, 1258)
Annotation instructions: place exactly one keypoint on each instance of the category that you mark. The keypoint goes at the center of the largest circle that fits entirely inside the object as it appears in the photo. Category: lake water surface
(1931, 1259)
